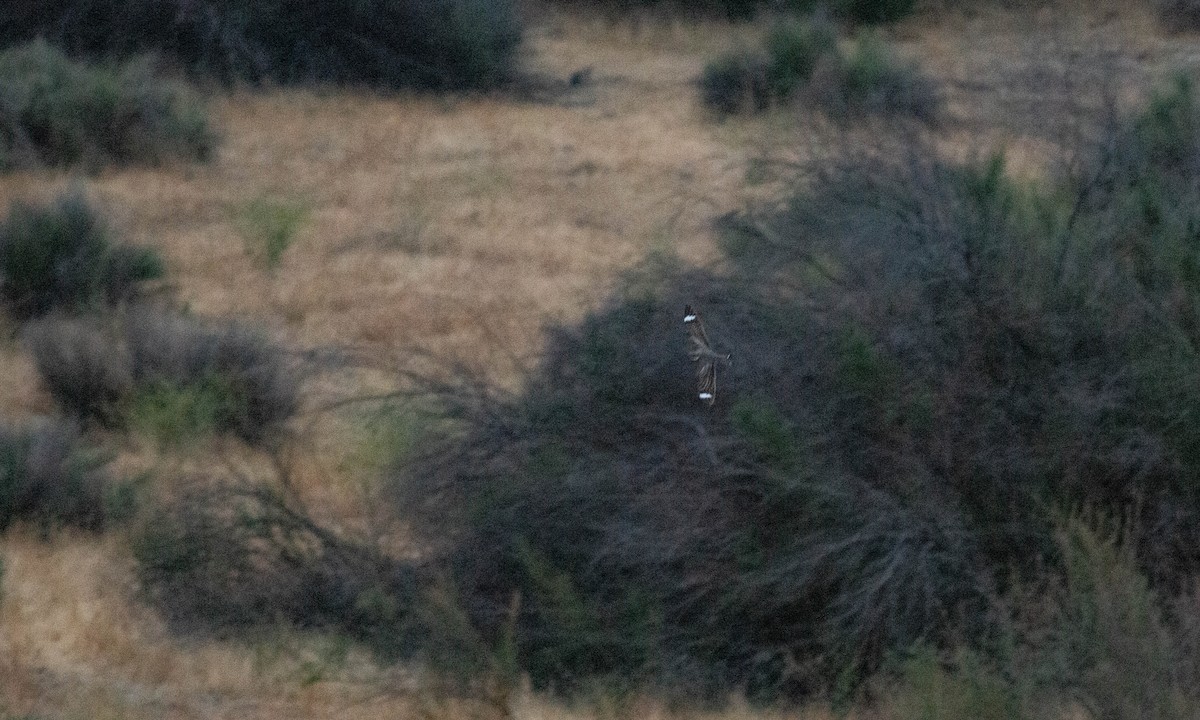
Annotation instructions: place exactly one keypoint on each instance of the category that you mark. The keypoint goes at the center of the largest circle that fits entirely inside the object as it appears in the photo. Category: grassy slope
(460, 226)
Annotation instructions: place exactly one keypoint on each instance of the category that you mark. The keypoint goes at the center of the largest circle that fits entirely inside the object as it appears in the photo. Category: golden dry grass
(462, 226)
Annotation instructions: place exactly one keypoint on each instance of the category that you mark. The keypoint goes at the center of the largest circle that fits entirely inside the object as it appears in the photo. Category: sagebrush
(62, 256)
(50, 477)
(117, 370)
(58, 112)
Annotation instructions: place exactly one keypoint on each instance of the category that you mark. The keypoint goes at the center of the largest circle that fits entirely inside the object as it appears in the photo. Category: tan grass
(75, 641)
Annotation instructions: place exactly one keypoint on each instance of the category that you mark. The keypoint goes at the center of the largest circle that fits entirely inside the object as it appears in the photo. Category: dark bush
(110, 371)
(84, 366)
(795, 50)
(61, 257)
(873, 80)
(657, 543)
(929, 358)
(1168, 132)
(438, 44)
(801, 61)
(47, 476)
(735, 83)
(231, 557)
(874, 12)
(1179, 15)
(54, 111)
(852, 11)
(730, 9)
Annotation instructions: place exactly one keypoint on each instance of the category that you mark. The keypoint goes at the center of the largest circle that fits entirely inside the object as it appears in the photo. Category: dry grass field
(461, 226)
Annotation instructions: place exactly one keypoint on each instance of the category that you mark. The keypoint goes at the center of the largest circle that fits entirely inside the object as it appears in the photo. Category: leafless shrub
(224, 557)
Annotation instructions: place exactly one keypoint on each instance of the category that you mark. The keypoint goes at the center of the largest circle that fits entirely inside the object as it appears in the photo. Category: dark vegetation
(933, 363)
(435, 44)
(238, 556)
(947, 382)
(50, 478)
(801, 63)
(61, 256)
(1179, 15)
(174, 375)
(55, 111)
(858, 12)
(1093, 638)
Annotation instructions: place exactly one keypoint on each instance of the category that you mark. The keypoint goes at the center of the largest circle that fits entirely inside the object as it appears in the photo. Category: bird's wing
(695, 328)
(706, 381)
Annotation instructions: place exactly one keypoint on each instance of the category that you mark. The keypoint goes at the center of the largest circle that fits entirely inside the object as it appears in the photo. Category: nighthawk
(702, 353)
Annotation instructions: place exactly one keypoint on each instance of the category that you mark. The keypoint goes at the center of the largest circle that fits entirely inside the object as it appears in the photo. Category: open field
(462, 227)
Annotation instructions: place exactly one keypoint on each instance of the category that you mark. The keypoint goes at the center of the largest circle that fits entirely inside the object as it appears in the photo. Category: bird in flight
(702, 353)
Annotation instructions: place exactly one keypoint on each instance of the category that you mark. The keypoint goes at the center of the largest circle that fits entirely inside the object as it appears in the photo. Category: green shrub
(438, 44)
(48, 477)
(254, 381)
(874, 80)
(750, 81)
(795, 49)
(931, 687)
(997, 272)
(1115, 637)
(767, 431)
(61, 256)
(269, 227)
(145, 366)
(1092, 636)
(177, 414)
(1169, 128)
(391, 432)
(54, 111)
(1100, 632)
(802, 59)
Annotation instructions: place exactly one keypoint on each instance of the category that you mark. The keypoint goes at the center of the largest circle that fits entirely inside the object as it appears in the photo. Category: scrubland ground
(459, 227)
